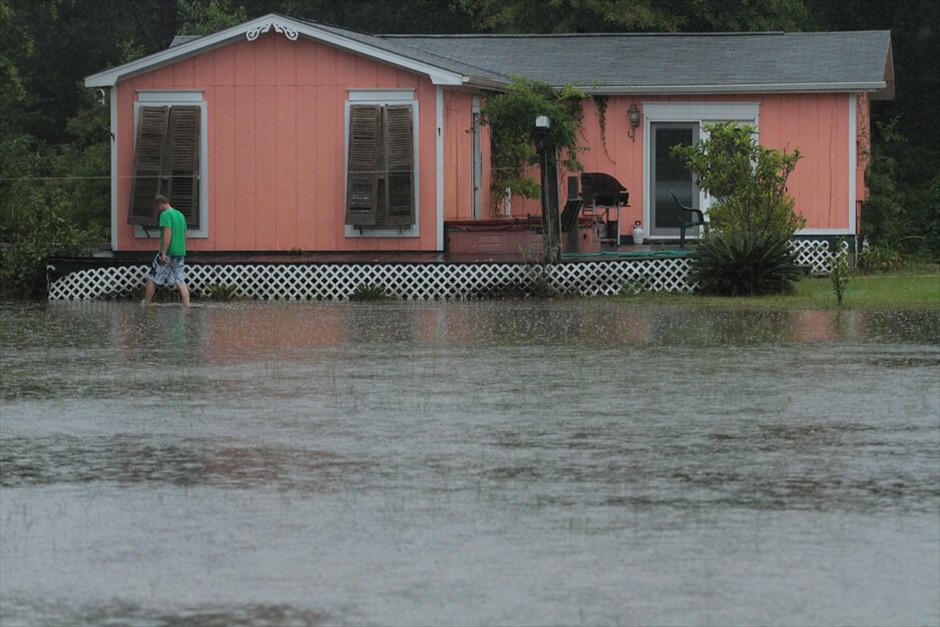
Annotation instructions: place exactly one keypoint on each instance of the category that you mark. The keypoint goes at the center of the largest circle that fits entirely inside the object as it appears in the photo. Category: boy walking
(168, 266)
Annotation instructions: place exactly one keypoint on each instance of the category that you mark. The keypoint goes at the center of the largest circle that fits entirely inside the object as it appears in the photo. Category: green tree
(204, 17)
(511, 116)
(585, 16)
(371, 16)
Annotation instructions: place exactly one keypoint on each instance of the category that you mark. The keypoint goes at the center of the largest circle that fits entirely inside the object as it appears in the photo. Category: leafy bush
(635, 287)
(923, 218)
(38, 231)
(369, 291)
(747, 182)
(879, 258)
(745, 264)
(220, 291)
(884, 208)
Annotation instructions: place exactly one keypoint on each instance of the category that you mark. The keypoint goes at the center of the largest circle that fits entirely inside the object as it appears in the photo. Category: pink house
(282, 134)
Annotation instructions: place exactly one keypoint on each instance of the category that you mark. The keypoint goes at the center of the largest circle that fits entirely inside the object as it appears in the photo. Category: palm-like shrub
(747, 249)
(744, 264)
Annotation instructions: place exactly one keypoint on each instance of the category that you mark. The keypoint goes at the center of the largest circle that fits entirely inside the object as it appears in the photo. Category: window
(381, 156)
(168, 159)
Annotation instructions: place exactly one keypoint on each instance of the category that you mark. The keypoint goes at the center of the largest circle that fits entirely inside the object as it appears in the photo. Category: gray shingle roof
(402, 47)
(673, 60)
(649, 62)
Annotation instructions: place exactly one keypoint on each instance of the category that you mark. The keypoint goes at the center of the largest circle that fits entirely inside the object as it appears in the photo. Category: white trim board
(703, 112)
(388, 96)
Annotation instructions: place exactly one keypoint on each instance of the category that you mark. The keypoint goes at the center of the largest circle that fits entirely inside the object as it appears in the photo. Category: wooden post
(569, 217)
(548, 162)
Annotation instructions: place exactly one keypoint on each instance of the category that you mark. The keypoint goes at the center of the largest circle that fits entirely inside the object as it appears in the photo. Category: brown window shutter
(362, 165)
(148, 164)
(183, 188)
(399, 151)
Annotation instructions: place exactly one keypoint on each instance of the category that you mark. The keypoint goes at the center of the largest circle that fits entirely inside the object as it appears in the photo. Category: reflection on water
(128, 460)
(569, 462)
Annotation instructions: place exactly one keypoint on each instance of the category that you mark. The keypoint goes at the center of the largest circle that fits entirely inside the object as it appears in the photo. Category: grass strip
(883, 291)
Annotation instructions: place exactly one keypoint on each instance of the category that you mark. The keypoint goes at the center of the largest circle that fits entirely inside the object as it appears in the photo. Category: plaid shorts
(172, 272)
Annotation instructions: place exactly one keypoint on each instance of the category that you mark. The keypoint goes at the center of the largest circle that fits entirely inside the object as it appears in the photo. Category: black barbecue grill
(602, 194)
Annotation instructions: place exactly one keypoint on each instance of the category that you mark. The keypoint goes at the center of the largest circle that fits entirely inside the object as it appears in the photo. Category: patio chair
(696, 218)
(569, 221)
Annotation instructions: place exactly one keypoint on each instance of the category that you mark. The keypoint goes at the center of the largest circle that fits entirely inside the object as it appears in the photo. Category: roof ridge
(606, 35)
(559, 35)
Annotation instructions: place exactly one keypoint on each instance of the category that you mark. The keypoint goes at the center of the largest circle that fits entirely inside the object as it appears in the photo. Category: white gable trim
(253, 29)
(256, 32)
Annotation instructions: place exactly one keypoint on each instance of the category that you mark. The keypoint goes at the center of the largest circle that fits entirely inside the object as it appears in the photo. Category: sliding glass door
(669, 174)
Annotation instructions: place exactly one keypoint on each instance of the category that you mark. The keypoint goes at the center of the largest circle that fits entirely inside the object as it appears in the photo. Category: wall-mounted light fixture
(634, 114)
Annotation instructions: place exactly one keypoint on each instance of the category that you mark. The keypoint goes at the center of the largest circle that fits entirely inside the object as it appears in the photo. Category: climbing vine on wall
(511, 117)
(601, 103)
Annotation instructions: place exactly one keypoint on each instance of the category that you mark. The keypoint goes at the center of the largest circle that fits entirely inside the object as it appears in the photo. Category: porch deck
(405, 275)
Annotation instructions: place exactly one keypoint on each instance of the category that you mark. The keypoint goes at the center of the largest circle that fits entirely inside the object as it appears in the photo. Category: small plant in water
(369, 291)
(220, 291)
(839, 272)
(635, 287)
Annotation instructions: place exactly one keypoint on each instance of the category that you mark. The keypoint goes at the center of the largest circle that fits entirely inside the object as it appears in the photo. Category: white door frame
(701, 112)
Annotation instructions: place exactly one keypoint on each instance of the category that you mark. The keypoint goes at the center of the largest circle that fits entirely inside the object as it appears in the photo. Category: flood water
(563, 462)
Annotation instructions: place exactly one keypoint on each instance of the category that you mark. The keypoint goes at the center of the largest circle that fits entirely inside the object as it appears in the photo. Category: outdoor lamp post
(548, 164)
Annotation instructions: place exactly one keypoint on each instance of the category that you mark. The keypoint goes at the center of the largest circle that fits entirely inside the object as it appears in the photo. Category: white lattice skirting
(431, 281)
(411, 281)
(815, 253)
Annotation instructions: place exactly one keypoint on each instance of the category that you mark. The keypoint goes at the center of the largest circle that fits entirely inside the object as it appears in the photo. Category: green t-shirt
(174, 219)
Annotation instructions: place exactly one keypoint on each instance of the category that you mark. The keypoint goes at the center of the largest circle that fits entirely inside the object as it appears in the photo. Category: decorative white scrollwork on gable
(256, 32)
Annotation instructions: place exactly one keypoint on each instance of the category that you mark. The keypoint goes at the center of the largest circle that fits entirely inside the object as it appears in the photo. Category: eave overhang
(614, 90)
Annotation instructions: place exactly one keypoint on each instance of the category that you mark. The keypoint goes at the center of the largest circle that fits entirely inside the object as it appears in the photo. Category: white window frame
(176, 98)
(701, 112)
(383, 97)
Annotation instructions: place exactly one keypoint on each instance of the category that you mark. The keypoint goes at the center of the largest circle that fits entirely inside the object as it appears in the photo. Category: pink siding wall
(816, 123)
(458, 155)
(275, 115)
(276, 140)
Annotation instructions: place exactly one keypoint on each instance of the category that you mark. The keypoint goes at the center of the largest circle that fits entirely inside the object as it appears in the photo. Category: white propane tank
(638, 232)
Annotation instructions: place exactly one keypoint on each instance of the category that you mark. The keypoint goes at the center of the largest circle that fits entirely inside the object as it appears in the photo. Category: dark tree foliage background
(54, 132)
